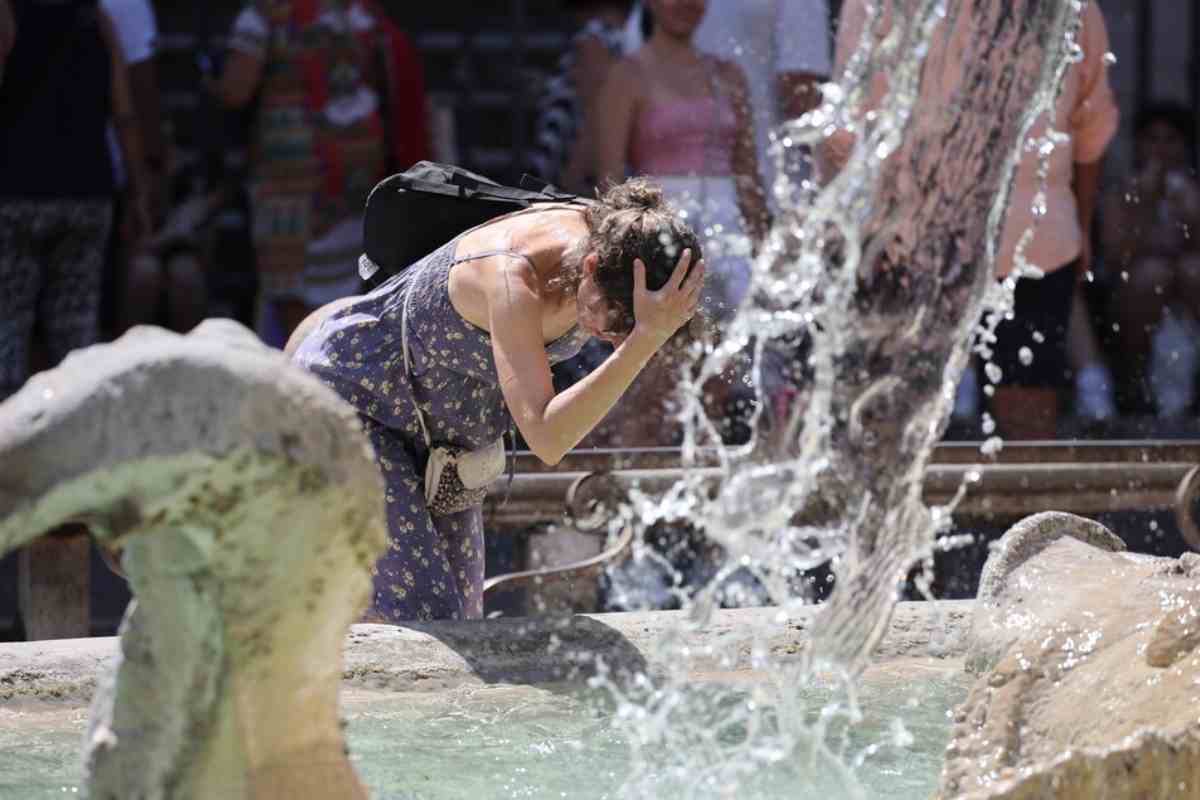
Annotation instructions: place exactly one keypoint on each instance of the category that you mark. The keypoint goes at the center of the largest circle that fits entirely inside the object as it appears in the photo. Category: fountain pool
(477, 726)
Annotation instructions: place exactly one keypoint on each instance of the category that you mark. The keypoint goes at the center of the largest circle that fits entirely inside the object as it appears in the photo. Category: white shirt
(136, 27)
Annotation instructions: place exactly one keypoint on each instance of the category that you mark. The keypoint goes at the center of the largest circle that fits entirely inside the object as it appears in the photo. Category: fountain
(238, 492)
(227, 676)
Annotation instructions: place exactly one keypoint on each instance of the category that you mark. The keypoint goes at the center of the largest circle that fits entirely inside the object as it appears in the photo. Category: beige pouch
(456, 479)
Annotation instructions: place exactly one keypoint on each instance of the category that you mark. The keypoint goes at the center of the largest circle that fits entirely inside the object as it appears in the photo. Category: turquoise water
(524, 742)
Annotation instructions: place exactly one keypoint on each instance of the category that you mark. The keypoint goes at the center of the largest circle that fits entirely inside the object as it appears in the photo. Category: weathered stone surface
(248, 510)
(1091, 684)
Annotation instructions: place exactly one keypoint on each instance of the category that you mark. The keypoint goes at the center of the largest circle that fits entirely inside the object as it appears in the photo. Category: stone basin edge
(434, 656)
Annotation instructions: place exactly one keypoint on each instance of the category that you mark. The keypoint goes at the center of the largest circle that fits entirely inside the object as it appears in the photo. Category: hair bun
(634, 194)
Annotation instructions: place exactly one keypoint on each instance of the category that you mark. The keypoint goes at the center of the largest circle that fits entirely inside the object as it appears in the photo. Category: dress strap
(489, 253)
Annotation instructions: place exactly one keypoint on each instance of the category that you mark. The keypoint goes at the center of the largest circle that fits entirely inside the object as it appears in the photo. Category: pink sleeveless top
(685, 137)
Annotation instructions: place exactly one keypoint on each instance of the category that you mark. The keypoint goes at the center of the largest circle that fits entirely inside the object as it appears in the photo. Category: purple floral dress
(434, 565)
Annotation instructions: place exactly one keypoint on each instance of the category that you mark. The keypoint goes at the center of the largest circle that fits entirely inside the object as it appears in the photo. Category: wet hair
(1175, 115)
(628, 221)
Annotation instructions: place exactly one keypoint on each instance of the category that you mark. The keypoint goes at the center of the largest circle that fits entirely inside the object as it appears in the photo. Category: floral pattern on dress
(434, 566)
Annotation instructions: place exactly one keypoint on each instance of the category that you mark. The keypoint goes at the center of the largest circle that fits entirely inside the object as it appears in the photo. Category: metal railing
(1023, 478)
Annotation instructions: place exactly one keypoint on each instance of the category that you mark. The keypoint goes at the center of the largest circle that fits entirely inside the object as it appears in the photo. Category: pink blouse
(685, 137)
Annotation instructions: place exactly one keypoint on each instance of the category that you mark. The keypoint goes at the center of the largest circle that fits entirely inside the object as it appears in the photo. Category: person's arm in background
(143, 86)
(245, 62)
(834, 151)
(1086, 187)
(751, 196)
(1093, 124)
(137, 222)
(8, 33)
(1087, 357)
(803, 63)
(612, 130)
(137, 30)
(593, 62)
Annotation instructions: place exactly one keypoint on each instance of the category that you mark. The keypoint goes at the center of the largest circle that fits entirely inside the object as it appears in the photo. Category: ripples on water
(522, 742)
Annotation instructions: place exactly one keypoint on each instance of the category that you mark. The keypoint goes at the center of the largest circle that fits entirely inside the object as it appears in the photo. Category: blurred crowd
(114, 213)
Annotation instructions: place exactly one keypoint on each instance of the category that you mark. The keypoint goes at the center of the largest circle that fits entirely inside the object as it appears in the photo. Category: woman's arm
(752, 197)
(553, 424)
(240, 78)
(612, 126)
(593, 62)
(1085, 184)
(8, 34)
(245, 60)
(138, 223)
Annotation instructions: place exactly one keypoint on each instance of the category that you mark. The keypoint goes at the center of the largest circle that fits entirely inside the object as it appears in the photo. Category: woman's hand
(657, 315)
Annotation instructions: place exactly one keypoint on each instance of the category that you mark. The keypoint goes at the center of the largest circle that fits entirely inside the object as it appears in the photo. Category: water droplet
(993, 372)
(1110, 58)
(1025, 355)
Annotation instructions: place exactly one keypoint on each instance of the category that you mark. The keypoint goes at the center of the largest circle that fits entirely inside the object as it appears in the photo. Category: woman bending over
(451, 351)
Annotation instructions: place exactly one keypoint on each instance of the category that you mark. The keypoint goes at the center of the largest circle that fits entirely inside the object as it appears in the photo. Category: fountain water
(887, 270)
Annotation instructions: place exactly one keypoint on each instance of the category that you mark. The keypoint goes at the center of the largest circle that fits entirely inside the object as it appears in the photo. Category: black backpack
(412, 213)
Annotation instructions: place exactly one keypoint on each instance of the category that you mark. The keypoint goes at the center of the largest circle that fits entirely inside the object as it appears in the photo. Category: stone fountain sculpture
(1090, 671)
(246, 508)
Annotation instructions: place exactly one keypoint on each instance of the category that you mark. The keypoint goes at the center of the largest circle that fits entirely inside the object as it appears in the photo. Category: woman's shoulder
(628, 77)
(632, 67)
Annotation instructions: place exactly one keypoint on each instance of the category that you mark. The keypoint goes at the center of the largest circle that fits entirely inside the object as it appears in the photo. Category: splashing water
(885, 272)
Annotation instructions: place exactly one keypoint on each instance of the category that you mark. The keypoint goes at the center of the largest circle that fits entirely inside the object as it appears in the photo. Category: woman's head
(677, 19)
(630, 221)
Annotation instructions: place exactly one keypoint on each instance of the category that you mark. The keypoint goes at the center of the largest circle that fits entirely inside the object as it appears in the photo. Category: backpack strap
(408, 366)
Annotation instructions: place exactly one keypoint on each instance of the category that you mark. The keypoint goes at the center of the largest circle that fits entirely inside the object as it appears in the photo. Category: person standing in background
(334, 112)
(1039, 346)
(783, 47)
(139, 279)
(1152, 260)
(563, 150)
(683, 117)
(64, 79)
